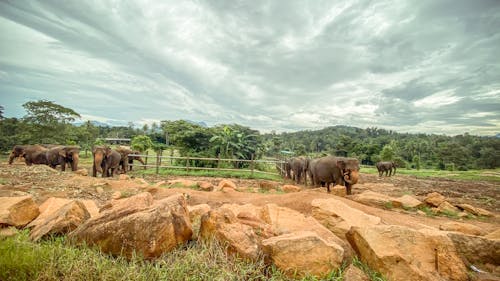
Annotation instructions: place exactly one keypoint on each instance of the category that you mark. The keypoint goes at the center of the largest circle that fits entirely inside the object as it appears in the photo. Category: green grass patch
(206, 173)
(492, 175)
(428, 211)
(372, 274)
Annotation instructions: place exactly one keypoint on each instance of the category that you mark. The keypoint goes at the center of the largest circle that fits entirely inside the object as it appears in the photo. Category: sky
(430, 66)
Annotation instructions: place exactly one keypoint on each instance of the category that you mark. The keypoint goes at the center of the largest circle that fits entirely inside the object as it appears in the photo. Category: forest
(46, 122)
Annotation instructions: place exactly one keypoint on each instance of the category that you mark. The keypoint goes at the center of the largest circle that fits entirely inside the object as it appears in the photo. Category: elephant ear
(62, 153)
(108, 151)
(341, 164)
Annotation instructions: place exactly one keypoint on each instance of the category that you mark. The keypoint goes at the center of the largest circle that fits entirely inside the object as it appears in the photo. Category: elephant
(386, 167)
(335, 170)
(60, 155)
(299, 167)
(125, 152)
(25, 151)
(106, 161)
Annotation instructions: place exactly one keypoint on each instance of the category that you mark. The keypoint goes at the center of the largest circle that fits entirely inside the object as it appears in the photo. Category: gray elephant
(126, 158)
(386, 167)
(299, 166)
(62, 155)
(106, 161)
(335, 170)
(27, 152)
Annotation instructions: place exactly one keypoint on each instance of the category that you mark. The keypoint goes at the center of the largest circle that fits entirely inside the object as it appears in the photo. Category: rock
(82, 172)
(476, 249)
(99, 190)
(475, 210)
(284, 221)
(402, 253)
(352, 273)
(91, 207)
(183, 183)
(268, 185)
(462, 227)
(206, 186)
(159, 184)
(303, 253)
(495, 235)
(227, 185)
(61, 221)
(446, 207)
(195, 214)
(116, 195)
(138, 224)
(290, 188)
(48, 208)
(434, 199)
(338, 190)
(338, 217)
(223, 225)
(373, 199)
(406, 201)
(123, 177)
(17, 211)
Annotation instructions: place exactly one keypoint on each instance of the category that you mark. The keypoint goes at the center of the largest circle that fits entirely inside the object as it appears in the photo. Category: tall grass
(56, 259)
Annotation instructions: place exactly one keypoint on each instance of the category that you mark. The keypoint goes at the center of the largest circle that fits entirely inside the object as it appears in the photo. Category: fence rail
(159, 158)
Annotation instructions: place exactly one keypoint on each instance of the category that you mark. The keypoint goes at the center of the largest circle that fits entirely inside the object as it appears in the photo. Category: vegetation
(56, 259)
(47, 122)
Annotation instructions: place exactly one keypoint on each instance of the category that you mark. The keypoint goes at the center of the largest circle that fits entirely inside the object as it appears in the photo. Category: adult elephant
(106, 161)
(335, 170)
(127, 158)
(299, 167)
(386, 167)
(26, 151)
(61, 155)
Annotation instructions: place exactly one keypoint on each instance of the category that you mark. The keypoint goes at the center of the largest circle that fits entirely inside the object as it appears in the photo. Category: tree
(47, 122)
(387, 153)
(141, 143)
(1, 112)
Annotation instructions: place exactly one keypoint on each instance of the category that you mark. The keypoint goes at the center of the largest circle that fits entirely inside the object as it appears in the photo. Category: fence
(160, 160)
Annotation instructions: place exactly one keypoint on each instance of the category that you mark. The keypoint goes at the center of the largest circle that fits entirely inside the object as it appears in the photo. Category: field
(54, 259)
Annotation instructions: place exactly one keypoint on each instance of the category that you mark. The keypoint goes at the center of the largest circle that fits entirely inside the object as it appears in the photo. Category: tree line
(49, 123)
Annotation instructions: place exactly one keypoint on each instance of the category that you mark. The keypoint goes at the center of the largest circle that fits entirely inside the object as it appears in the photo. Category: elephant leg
(63, 166)
(328, 187)
(94, 171)
(348, 188)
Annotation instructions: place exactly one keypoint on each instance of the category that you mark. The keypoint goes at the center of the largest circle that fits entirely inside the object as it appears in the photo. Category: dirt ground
(43, 182)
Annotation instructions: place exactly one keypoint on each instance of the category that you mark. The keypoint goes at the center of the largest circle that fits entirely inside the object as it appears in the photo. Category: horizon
(427, 67)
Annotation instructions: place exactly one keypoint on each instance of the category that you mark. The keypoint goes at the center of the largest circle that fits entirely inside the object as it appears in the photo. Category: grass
(492, 175)
(56, 259)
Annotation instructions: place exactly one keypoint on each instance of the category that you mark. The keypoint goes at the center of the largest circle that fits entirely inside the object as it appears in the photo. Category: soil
(43, 182)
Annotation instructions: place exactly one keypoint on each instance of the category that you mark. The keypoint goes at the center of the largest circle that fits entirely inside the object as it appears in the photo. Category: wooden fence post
(187, 164)
(218, 162)
(146, 161)
(251, 165)
(157, 161)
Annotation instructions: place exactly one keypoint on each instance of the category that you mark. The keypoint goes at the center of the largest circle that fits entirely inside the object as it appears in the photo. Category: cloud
(281, 65)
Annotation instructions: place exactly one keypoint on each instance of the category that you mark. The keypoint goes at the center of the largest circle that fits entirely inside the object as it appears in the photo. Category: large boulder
(462, 227)
(338, 217)
(475, 210)
(60, 221)
(47, 209)
(401, 253)
(303, 253)
(138, 224)
(406, 201)
(434, 199)
(227, 185)
(195, 214)
(17, 211)
(476, 249)
(373, 199)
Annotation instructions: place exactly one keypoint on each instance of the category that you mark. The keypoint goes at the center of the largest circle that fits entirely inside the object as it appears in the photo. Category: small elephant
(299, 167)
(335, 170)
(125, 152)
(60, 155)
(386, 167)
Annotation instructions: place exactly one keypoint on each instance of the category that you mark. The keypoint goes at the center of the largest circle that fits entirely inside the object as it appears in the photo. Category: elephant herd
(324, 171)
(106, 160)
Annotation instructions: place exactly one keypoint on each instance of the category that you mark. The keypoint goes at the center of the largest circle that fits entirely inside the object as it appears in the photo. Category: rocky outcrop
(303, 253)
(434, 199)
(338, 217)
(227, 185)
(290, 188)
(373, 199)
(401, 253)
(17, 211)
(406, 201)
(462, 227)
(476, 249)
(138, 224)
(475, 210)
(60, 221)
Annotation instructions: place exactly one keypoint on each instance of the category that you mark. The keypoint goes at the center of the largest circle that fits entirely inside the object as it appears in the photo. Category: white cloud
(438, 99)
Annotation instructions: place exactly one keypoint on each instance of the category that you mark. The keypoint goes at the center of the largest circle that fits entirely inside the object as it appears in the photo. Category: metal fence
(159, 161)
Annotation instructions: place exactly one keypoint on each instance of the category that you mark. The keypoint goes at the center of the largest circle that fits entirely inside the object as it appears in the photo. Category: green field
(492, 175)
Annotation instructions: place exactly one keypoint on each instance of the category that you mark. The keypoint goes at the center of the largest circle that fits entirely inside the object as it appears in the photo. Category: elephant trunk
(98, 160)
(74, 164)
(351, 177)
(11, 157)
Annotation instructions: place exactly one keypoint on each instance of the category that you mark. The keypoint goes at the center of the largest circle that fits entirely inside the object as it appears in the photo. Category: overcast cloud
(412, 66)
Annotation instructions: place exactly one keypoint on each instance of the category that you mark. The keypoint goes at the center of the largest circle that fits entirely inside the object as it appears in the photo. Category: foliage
(141, 143)
(1, 112)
